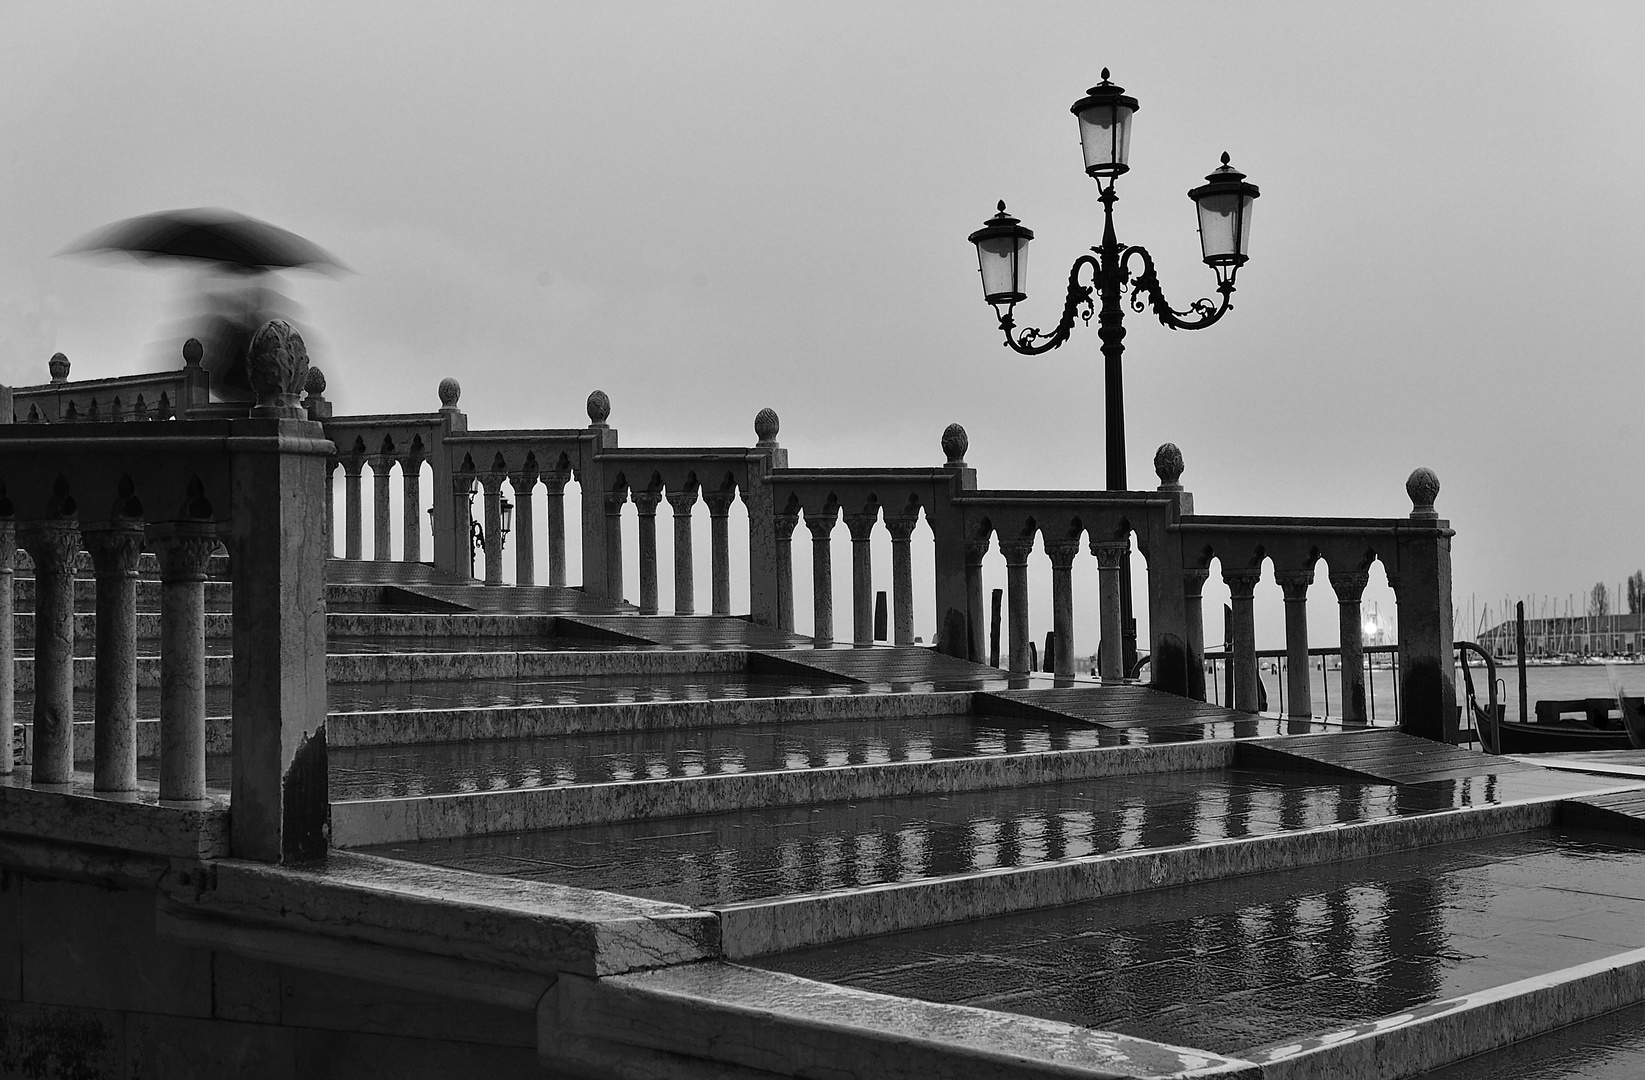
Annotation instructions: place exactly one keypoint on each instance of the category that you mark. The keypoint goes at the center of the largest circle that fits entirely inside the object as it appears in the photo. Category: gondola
(1499, 735)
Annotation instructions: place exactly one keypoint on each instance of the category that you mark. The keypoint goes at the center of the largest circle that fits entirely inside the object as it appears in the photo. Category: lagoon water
(1542, 683)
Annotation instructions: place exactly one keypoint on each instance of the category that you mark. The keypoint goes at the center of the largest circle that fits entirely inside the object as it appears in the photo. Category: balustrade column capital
(115, 547)
(492, 483)
(1242, 580)
(353, 464)
(411, 464)
(523, 481)
(1061, 553)
(462, 484)
(614, 501)
(52, 544)
(1294, 583)
(861, 526)
(719, 502)
(1194, 579)
(645, 502)
(784, 525)
(1016, 552)
(975, 551)
(821, 527)
(901, 528)
(1111, 554)
(1349, 584)
(555, 480)
(381, 463)
(682, 501)
(182, 548)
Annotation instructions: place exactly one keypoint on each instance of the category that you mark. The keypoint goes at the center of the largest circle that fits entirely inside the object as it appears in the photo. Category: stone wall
(89, 989)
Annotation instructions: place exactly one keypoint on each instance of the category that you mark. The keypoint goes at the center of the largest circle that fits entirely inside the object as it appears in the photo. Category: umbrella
(220, 236)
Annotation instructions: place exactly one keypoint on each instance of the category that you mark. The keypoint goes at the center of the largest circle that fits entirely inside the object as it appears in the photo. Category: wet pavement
(740, 856)
(1235, 964)
(1610, 1047)
(616, 757)
(575, 690)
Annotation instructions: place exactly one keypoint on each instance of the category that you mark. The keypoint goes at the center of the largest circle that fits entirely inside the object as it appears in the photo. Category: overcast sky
(709, 208)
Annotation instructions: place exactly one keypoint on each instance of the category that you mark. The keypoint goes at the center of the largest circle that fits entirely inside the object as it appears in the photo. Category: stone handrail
(163, 395)
(179, 490)
(965, 521)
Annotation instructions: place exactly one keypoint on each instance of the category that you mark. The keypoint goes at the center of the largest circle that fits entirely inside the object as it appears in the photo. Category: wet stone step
(1243, 963)
(617, 757)
(620, 757)
(742, 856)
(590, 690)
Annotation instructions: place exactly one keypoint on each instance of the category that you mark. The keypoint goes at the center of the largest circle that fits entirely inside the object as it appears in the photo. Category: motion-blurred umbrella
(213, 235)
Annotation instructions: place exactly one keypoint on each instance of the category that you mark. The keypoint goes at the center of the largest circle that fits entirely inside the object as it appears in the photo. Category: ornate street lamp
(1117, 273)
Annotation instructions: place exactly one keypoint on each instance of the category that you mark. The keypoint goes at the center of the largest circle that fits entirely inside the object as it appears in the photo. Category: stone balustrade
(164, 395)
(253, 485)
(965, 522)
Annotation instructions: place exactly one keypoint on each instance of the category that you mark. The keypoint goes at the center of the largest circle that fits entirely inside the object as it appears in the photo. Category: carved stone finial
(599, 407)
(58, 365)
(315, 384)
(766, 426)
(278, 365)
(192, 352)
(955, 443)
(1168, 467)
(450, 391)
(1423, 488)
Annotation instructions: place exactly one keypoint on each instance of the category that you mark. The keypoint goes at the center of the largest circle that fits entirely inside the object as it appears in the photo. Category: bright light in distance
(1370, 628)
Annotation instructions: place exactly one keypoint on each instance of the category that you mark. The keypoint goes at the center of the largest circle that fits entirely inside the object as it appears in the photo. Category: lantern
(1105, 128)
(1224, 203)
(1002, 244)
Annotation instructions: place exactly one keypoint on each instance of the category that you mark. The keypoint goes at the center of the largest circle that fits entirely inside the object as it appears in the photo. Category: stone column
(1111, 555)
(53, 544)
(525, 529)
(1294, 583)
(646, 503)
(685, 574)
(462, 519)
(861, 527)
(411, 510)
(1016, 600)
(8, 644)
(1062, 554)
(1193, 606)
(381, 474)
(183, 549)
(554, 493)
(1422, 589)
(822, 577)
(353, 542)
(784, 526)
(760, 503)
(976, 643)
(281, 803)
(331, 509)
(614, 542)
(1242, 585)
(719, 548)
(492, 485)
(114, 548)
(1349, 586)
(902, 578)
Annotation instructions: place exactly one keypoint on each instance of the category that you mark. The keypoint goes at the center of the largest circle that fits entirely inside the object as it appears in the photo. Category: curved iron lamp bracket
(1200, 314)
(1031, 341)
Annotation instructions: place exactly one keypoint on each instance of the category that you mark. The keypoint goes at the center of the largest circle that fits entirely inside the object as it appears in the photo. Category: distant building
(1575, 635)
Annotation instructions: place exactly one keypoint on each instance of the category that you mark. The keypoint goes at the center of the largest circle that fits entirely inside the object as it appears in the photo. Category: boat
(1633, 718)
(1551, 732)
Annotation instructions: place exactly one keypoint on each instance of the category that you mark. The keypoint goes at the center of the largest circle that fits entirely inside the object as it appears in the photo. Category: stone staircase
(913, 865)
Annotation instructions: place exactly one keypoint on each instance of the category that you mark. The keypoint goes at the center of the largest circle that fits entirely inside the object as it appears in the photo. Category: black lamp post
(1223, 203)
